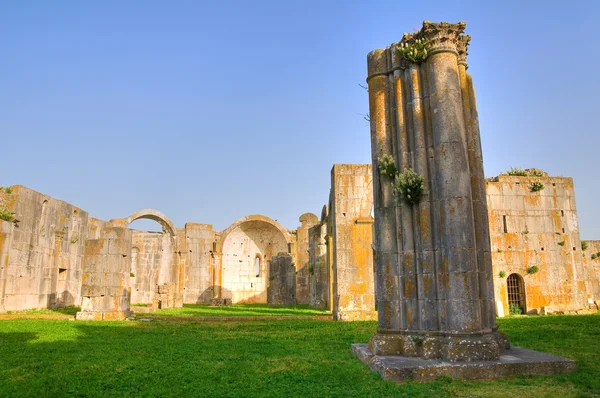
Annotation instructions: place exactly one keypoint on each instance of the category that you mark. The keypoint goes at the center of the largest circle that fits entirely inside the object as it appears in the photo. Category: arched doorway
(516, 294)
(247, 248)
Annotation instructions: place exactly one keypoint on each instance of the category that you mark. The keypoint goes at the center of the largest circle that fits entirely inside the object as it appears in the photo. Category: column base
(364, 315)
(449, 347)
(515, 361)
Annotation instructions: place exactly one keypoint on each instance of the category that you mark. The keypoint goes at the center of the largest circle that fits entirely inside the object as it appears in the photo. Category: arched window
(516, 294)
(257, 266)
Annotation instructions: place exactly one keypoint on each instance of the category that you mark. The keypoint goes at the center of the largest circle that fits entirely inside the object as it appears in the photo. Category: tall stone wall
(318, 266)
(105, 285)
(536, 231)
(591, 264)
(302, 259)
(6, 235)
(45, 258)
(281, 288)
(199, 261)
(352, 282)
(146, 261)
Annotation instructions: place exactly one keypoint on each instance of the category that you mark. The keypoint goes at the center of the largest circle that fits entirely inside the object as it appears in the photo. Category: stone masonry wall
(302, 260)
(353, 283)
(198, 268)
(591, 264)
(281, 288)
(6, 234)
(537, 229)
(105, 284)
(318, 266)
(146, 259)
(45, 258)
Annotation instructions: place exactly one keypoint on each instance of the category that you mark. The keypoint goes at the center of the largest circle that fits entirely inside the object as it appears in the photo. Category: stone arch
(254, 218)
(149, 214)
(239, 246)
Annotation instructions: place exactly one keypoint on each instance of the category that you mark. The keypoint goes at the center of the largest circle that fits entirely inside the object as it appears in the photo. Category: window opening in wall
(505, 225)
(563, 230)
(516, 294)
(562, 213)
(257, 266)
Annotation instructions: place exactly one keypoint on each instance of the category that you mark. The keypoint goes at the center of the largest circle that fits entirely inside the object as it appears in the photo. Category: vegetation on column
(532, 270)
(409, 185)
(387, 166)
(584, 245)
(502, 274)
(415, 52)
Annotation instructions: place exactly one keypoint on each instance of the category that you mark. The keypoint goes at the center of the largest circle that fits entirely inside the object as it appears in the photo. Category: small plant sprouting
(132, 275)
(75, 238)
(502, 274)
(561, 243)
(387, 166)
(533, 269)
(311, 269)
(584, 245)
(516, 171)
(7, 215)
(499, 250)
(515, 309)
(415, 52)
(410, 186)
(536, 186)
(594, 256)
(7, 190)
(526, 231)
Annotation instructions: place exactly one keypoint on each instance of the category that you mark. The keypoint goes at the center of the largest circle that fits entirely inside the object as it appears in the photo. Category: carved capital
(441, 36)
(462, 47)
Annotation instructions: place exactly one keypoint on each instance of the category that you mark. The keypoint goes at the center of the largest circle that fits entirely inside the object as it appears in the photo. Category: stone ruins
(435, 291)
(434, 272)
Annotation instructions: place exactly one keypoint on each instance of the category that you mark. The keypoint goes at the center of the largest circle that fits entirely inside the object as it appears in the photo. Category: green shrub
(515, 309)
(502, 274)
(584, 245)
(536, 186)
(561, 243)
(415, 52)
(533, 269)
(516, 171)
(536, 173)
(409, 185)
(594, 256)
(131, 274)
(7, 215)
(499, 250)
(387, 166)
(7, 190)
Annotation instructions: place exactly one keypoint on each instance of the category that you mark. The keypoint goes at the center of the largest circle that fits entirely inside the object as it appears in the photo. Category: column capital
(441, 37)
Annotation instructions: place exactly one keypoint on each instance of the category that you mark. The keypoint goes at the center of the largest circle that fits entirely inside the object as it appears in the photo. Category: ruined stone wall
(198, 263)
(242, 246)
(353, 285)
(45, 258)
(6, 235)
(302, 259)
(105, 285)
(146, 260)
(591, 264)
(318, 266)
(282, 280)
(538, 229)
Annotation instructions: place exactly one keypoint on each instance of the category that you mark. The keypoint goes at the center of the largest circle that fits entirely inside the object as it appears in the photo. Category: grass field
(192, 310)
(40, 357)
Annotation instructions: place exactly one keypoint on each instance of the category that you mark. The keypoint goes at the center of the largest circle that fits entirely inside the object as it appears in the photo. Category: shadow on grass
(241, 310)
(261, 358)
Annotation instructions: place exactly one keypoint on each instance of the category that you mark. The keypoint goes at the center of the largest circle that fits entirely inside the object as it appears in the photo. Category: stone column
(433, 265)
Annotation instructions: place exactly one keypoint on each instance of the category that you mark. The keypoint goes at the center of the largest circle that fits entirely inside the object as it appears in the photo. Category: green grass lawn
(190, 310)
(41, 357)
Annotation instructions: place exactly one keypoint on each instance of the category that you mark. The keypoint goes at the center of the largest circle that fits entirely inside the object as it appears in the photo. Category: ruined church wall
(353, 284)
(146, 260)
(45, 259)
(318, 266)
(308, 220)
(197, 261)
(281, 289)
(592, 270)
(537, 229)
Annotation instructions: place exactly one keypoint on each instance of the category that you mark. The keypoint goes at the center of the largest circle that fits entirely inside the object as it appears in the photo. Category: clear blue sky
(209, 111)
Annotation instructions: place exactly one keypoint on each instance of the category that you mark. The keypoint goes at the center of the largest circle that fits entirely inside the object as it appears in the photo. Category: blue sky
(209, 111)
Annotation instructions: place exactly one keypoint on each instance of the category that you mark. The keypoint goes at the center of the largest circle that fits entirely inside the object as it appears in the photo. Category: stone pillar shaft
(433, 262)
